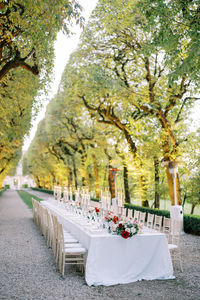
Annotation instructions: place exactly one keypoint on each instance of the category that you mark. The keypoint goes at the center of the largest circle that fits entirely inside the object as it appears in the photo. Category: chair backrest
(55, 226)
(59, 192)
(158, 223)
(66, 194)
(136, 215)
(130, 213)
(166, 229)
(176, 229)
(142, 217)
(60, 236)
(124, 212)
(114, 209)
(150, 219)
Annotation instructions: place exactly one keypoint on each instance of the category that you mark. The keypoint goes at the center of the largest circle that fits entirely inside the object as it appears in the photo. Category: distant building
(17, 181)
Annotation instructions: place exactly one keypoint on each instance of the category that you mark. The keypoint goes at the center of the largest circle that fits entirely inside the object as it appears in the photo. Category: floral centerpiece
(126, 229)
(123, 228)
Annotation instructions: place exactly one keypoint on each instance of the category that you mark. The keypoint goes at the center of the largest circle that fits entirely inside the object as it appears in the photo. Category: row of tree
(124, 101)
(28, 30)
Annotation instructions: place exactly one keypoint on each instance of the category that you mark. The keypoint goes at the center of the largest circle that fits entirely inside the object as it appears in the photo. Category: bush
(191, 223)
(7, 186)
(25, 186)
(2, 190)
(158, 212)
(43, 190)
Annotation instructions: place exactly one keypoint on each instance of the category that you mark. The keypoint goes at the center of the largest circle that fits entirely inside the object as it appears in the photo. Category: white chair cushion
(75, 250)
(172, 246)
(70, 240)
(73, 245)
(68, 235)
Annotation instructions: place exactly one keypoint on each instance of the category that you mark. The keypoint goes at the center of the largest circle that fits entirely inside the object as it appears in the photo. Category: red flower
(120, 225)
(125, 234)
(97, 210)
(115, 219)
(106, 218)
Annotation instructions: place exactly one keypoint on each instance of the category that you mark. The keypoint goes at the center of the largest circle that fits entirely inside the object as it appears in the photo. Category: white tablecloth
(112, 259)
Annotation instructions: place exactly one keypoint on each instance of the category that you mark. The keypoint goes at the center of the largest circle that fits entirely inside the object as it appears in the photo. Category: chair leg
(63, 264)
(180, 261)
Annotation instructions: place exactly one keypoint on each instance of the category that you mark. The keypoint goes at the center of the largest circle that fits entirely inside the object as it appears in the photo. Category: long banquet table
(114, 260)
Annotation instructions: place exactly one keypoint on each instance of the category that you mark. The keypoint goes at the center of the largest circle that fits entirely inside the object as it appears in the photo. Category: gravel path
(28, 270)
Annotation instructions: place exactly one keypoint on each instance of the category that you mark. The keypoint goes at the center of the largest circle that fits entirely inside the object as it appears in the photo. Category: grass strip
(27, 198)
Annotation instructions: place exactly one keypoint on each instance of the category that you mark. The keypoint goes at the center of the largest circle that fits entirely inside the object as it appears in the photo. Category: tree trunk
(37, 181)
(96, 177)
(111, 178)
(171, 187)
(166, 148)
(70, 177)
(83, 169)
(143, 191)
(141, 178)
(184, 199)
(126, 185)
(157, 195)
(192, 208)
(75, 173)
(111, 181)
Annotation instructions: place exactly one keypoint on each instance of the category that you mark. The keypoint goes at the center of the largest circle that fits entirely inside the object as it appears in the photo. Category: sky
(64, 46)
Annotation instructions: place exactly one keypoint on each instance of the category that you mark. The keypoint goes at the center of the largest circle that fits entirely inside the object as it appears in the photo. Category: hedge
(191, 223)
(2, 190)
(25, 186)
(43, 190)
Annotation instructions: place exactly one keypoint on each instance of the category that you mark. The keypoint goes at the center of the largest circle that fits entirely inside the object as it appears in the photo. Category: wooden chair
(68, 238)
(43, 221)
(124, 212)
(35, 211)
(158, 223)
(150, 219)
(69, 255)
(50, 233)
(142, 217)
(65, 194)
(130, 213)
(175, 245)
(136, 215)
(166, 229)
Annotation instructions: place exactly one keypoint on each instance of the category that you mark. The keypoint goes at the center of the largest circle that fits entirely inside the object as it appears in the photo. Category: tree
(127, 46)
(28, 30)
(16, 103)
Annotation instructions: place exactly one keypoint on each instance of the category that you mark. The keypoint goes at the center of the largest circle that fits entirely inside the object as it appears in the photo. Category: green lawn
(27, 198)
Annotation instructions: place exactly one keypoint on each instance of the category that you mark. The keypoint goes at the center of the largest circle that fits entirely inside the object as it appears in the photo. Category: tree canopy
(28, 30)
(134, 79)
